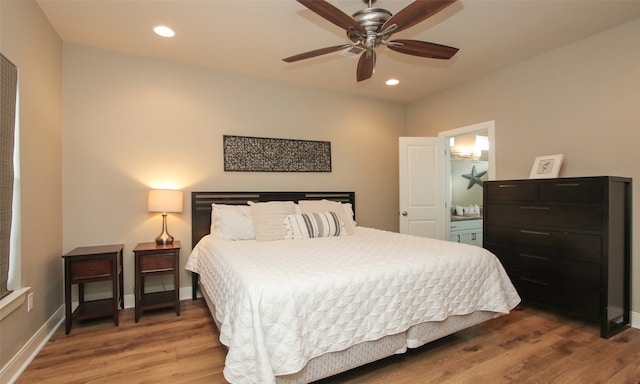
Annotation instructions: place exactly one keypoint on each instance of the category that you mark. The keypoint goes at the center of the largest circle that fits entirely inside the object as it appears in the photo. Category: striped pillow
(310, 225)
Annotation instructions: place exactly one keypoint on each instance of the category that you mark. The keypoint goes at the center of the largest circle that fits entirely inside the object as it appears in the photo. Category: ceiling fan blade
(423, 49)
(332, 14)
(415, 12)
(314, 53)
(366, 65)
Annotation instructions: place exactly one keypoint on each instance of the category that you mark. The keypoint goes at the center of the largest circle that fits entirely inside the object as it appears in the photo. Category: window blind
(8, 95)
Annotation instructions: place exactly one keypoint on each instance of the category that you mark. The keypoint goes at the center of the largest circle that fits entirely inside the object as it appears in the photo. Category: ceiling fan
(371, 27)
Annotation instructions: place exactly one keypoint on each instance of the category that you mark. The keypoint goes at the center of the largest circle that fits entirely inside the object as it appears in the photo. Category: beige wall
(27, 39)
(131, 123)
(582, 100)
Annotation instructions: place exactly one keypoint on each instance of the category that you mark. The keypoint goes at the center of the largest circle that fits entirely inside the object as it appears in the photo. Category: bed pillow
(268, 219)
(310, 225)
(344, 211)
(231, 222)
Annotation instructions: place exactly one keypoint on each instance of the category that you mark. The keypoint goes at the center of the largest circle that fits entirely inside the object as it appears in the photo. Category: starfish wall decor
(474, 178)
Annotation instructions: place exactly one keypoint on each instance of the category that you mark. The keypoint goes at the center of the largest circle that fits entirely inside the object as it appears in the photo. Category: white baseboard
(10, 372)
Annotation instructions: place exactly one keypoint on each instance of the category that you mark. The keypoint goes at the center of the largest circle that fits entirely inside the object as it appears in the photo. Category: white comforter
(281, 303)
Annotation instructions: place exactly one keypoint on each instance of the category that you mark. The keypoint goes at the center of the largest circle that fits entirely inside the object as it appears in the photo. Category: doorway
(470, 160)
(425, 181)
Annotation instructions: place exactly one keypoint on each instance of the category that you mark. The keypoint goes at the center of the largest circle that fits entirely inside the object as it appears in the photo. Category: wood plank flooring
(527, 346)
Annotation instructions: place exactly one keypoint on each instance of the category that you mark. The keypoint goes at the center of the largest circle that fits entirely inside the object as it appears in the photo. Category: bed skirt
(360, 354)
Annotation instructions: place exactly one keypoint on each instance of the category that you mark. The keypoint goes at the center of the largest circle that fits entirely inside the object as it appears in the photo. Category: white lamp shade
(165, 200)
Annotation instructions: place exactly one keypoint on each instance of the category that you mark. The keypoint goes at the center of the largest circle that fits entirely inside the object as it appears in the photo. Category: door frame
(488, 126)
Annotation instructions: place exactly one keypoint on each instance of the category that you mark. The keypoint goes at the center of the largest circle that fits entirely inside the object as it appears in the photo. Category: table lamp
(164, 200)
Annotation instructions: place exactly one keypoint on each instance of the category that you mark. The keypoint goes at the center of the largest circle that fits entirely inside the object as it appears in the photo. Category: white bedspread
(281, 303)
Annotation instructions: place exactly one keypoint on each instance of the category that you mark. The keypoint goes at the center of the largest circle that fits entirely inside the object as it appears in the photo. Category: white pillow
(345, 211)
(268, 219)
(231, 222)
(310, 225)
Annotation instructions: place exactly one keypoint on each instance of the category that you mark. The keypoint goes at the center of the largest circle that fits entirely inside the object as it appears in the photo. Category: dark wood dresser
(565, 243)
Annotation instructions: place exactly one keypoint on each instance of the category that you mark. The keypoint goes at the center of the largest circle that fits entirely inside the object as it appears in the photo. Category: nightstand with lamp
(160, 257)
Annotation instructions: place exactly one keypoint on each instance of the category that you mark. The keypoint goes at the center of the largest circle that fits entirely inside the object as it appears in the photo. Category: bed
(299, 292)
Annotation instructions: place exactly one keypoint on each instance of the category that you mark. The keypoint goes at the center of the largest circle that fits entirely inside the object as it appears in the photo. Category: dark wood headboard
(201, 204)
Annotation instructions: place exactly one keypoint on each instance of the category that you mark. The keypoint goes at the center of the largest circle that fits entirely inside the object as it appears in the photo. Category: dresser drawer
(511, 191)
(571, 299)
(572, 191)
(566, 217)
(90, 269)
(548, 267)
(156, 262)
(564, 244)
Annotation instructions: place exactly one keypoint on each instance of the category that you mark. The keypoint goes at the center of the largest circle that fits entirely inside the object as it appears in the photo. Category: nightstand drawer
(90, 269)
(156, 262)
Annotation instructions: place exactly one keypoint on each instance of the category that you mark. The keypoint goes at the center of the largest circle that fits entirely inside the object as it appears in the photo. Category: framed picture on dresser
(546, 167)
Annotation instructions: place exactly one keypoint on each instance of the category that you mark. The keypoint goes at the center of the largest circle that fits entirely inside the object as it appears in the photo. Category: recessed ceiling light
(164, 31)
(392, 82)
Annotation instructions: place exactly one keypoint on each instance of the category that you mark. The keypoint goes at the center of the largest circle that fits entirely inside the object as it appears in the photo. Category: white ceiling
(251, 37)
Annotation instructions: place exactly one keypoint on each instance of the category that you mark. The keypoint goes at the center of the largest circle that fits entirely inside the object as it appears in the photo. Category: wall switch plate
(30, 302)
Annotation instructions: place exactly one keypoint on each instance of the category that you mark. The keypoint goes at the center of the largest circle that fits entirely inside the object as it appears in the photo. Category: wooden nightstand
(90, 264)
(151, 260)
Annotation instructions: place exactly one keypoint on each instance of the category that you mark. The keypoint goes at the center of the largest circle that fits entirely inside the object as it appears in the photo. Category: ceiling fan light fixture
(352, 52)
(164, 31)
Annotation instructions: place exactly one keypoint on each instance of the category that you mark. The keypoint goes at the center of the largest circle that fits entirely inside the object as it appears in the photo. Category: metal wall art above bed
(260, 154)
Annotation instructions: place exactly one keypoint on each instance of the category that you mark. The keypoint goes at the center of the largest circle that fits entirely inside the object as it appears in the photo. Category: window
(8, 102)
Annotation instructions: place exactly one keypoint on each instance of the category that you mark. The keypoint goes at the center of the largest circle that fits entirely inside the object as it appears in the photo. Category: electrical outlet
(30, 302)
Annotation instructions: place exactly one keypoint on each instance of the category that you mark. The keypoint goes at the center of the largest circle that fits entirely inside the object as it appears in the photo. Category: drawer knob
(91, 269)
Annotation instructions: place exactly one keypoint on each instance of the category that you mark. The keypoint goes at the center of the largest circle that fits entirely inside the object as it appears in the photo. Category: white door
(422, 187)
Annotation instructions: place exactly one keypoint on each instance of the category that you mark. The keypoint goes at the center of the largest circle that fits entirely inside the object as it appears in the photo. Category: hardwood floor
(526, 346)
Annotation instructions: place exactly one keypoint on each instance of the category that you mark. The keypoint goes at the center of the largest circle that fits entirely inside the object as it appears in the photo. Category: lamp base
(164, 238)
